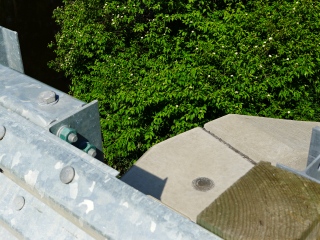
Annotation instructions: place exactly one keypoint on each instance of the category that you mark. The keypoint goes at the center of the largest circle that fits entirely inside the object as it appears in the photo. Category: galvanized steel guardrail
(52, 182)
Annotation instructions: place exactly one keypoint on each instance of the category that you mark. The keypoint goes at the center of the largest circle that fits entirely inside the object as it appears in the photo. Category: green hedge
(159, 68)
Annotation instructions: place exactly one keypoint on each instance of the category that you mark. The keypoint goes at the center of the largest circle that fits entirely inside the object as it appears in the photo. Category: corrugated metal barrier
(53, 184)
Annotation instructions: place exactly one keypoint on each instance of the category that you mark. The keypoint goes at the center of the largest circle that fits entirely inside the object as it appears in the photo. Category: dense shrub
(159, 68)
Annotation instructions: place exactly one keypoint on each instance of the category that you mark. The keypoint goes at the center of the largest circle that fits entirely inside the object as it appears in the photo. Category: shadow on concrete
(145, 182)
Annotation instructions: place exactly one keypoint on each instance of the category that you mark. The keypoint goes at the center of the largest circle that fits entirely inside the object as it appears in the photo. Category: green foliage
(159, 68)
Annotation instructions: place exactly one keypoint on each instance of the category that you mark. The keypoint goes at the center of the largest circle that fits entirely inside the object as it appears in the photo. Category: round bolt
(89, 149)
(92, 152)
(2, 132)
(72, 138)
(18, 203)
(47, 97)
(67, 174)
(67, 134)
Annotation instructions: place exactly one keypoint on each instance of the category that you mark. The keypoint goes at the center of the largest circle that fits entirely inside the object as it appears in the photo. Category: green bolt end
(68, 134)
(90, 149)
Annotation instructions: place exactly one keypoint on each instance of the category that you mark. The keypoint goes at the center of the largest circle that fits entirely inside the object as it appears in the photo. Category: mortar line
(231, 147)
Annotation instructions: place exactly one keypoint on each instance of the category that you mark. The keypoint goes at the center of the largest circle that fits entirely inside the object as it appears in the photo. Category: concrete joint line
(231, 147)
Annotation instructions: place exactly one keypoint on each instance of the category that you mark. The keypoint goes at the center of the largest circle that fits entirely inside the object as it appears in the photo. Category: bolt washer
(202, 184)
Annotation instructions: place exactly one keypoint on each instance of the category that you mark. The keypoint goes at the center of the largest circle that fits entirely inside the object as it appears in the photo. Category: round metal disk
(67, 174)
(18, 203)
(202, 184)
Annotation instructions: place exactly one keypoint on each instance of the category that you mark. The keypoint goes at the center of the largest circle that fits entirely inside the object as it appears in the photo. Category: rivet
(47, 97)
(18, 203)
(2, 132)
(202, 184)
(67, 174)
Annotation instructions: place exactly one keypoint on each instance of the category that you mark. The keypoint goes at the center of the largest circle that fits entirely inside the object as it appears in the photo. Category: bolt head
(89, 149)
(2, 132)
(72, 138)
(92, 152)
(67, 174)
(67, 134)
(18, 203)
(47, 97)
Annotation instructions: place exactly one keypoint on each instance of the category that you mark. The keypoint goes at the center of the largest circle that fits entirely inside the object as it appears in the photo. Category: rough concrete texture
(167, 170)
(266, 139)
(217, 152)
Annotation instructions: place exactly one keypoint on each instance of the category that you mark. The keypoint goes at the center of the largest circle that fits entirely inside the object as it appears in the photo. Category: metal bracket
(51, 109)
(86, 122)
(312, 170)
(10, 54)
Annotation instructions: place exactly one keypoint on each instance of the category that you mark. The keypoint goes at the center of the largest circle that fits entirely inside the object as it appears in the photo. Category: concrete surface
(167, 170)
(223, 151)
(266, 139)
